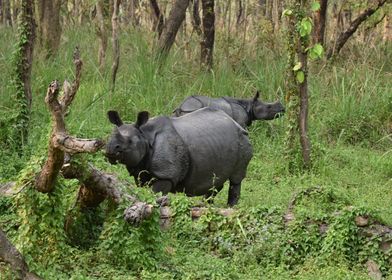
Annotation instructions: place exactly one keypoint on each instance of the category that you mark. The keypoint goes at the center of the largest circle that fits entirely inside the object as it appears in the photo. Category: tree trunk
(133, 7)
(6, 12)
(1, 11)
(297, 90)
(240, 12)
(14, 12)
(268, 10)
(59, 141)
(207, 43)
(22, 75)
(173, 23)
(262, 9)
(49, 25)
(303, 105)
(115, 43)
(320, 18)
(276, 13)
(387, 32)
(196, 21)
(102, 31)
(345, 35)
(158, 17)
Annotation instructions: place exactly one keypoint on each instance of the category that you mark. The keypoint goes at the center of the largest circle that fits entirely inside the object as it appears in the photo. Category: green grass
(350, 127)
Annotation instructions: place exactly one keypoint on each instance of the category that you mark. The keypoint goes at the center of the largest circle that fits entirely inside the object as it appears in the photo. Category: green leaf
(287, 12)
(316, 51)
(300, 76)
(305, 27)
(315, 6)
(297, 66)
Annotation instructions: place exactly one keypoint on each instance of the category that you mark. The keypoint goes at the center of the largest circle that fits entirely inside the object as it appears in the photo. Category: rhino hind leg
(163, 186)
(234, 193)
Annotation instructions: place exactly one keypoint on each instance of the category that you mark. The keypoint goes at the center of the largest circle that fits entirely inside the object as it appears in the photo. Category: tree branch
(345, 35)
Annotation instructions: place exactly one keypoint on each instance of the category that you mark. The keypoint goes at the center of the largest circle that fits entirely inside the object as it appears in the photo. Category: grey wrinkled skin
(243, 111)
(194, 154)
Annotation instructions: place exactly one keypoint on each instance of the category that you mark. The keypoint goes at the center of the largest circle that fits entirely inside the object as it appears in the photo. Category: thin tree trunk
(115, 43)
(196, 21)
(23, 63)
(173, 23)
(345, 35)
(49, 25)
(133, 8)
(14, 12)
(303, 111)
(207, 43)
(102, 32)
(7, 13)
(240, 11)
(158, 17)
(268, 9)
(276, 15)
(1, 12)
(387, 32)
(262, 7)
(320, 18)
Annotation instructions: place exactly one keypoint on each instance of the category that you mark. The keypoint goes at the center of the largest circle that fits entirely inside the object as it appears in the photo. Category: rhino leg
(163, 186)
(234, 193)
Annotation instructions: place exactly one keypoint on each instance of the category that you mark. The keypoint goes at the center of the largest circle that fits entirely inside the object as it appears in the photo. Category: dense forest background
(316, 200)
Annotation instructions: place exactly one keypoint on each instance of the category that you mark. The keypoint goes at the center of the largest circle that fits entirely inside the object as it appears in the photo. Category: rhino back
(215, 145)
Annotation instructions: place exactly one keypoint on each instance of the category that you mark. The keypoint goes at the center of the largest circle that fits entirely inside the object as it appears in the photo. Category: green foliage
(128, 247)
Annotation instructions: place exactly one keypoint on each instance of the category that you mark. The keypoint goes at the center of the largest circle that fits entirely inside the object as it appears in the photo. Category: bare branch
(345, 35)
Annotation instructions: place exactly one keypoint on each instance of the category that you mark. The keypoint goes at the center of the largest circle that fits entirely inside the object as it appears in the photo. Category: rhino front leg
(163, 186)
(234, 193)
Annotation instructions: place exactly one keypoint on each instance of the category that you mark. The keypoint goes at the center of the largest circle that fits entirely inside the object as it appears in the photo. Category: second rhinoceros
(243, 111)
(194, 154)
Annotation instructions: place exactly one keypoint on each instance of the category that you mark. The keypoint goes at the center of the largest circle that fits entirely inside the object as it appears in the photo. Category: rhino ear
(257, 95)
(142, 118)
(114, 118)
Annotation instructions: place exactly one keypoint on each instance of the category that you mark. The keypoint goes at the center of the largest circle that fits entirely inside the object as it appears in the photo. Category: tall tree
(132, 9)
(158, 17)
(173, 23)
(23, 60)
(6, 18)
(195, 18)
(115, 43)
(49, 25)
(320, 18)
(207, 42)
(299, 31)
(102, 27)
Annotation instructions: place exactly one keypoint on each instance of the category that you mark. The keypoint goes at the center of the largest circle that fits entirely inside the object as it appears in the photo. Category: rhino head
(266, 111)
(127, 143)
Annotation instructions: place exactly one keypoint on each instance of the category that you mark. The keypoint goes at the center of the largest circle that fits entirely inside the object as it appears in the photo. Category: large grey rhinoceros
(243, 111)
(194, 154)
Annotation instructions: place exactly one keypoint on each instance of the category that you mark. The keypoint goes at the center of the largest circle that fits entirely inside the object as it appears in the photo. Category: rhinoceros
(194, 154)
(243, 111)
